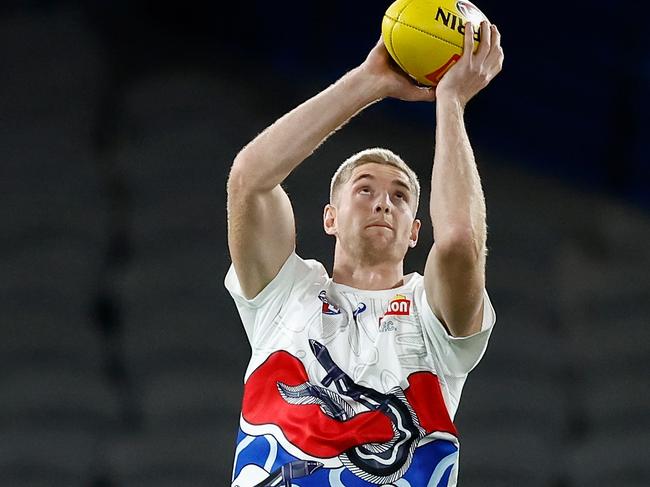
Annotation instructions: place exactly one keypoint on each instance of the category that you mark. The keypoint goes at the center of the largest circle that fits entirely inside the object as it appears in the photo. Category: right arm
(261, 226)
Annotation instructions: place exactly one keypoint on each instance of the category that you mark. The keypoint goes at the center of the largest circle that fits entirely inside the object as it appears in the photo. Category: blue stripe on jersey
(431, 466)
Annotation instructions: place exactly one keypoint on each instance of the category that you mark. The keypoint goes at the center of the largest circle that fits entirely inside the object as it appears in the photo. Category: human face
(373, 215)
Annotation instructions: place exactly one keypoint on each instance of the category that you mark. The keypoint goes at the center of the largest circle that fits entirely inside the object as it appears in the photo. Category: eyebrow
(398, 182)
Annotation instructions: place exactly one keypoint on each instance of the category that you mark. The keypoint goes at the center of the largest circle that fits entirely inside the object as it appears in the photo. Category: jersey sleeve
(458, 355)
(265, 306)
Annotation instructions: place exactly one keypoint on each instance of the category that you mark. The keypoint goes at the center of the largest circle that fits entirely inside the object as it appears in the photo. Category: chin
(379, 250)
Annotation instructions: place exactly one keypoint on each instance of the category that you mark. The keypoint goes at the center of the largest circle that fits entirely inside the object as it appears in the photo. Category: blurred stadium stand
(122, 356)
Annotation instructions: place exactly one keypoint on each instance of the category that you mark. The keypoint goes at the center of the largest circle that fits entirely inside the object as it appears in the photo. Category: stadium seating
(122, 356)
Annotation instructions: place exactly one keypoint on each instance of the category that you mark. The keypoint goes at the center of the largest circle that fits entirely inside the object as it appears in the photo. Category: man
(354, 379)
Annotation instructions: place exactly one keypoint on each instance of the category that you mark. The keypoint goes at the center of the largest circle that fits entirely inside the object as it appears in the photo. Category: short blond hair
(377, 155)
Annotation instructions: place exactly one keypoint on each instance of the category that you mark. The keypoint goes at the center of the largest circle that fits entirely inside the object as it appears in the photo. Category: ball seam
(423, 31)
(392, 29)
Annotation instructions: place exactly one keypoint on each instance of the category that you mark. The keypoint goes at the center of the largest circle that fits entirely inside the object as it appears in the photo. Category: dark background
(122, 353)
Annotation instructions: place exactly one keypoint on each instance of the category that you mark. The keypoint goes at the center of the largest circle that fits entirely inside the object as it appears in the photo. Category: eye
(400, 195)
(364, 189)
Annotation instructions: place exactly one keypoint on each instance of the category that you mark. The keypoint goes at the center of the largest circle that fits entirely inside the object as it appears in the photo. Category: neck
(368, 274)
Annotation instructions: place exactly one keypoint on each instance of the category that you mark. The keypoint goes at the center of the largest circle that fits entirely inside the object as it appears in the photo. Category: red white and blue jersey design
(347, 387)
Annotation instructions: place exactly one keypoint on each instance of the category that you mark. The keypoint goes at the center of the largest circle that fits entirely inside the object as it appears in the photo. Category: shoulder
(294, 273)
(310, 265)
(305, 271)
(414, 282)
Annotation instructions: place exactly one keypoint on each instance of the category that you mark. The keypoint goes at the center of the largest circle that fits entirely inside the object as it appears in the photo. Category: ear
(329, 219)
(415, 232)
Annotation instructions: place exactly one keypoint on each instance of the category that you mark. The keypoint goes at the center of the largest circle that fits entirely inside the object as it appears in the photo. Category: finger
(484, 44)
(495, 57)
(495, 37)
(468, 42)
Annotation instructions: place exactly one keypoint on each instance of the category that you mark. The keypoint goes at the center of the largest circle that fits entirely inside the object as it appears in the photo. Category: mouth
(381, 225)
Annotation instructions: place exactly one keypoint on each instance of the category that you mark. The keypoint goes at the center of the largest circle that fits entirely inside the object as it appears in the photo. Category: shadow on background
(122, 354)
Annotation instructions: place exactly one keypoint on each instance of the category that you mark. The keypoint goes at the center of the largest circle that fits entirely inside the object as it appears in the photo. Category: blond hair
(377, 155)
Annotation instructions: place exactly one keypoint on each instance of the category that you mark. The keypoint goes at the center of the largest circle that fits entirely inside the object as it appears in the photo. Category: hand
(474, 70)
(392, 81)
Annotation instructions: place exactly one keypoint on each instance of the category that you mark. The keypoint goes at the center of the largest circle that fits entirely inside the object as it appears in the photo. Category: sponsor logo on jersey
(399, 306)
(359, 309)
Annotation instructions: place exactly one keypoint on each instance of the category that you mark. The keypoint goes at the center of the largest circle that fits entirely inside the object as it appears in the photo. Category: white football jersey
(348, 387)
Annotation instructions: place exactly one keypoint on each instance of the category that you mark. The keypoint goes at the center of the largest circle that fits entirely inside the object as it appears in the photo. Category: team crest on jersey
(399, 306)
(328, 308)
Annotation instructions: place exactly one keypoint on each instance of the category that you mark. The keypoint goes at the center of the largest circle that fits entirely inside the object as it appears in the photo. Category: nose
(383, 204)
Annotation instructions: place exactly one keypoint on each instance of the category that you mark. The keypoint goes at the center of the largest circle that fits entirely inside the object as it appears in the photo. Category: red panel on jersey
(311, 430)
(425, 396)
(306, 425)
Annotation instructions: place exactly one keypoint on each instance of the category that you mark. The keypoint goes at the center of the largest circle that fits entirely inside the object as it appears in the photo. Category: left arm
(454, 275)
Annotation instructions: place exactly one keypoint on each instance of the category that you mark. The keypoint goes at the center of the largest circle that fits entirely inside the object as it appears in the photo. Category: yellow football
(425, 37)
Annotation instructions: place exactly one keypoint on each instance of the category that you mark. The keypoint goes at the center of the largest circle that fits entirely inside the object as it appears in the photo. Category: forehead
(382, 172)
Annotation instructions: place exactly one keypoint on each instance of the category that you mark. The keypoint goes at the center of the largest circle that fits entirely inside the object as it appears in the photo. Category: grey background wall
(122, 354)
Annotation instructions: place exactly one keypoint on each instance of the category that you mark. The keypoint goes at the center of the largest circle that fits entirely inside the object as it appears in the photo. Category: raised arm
(261, 227)
(454, 274)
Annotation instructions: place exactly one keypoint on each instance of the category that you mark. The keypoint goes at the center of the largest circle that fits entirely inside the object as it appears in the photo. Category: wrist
(450, 100)
(370, 88)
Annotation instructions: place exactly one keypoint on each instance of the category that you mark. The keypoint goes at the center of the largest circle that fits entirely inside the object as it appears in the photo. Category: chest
(377, 340)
